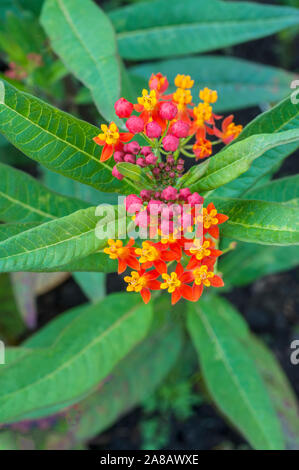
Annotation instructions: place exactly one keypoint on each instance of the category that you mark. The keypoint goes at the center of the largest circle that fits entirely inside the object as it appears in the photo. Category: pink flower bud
(169, 194)
(135, 124)
(123, 108)
(153, 130)
(168, 111)
(156, 171)
(145, 150)
(117, 174)
(151, 159)
(154, 207)
(180, 129)
(184, 193)
(195, 198)
(170, 143)
(141, 162)
(133, 147)
(118, 156)
(145, 194)
(129, 158)
(133, 203)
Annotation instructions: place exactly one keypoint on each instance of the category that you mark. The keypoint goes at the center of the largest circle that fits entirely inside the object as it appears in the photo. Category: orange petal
(98, 141)
(214, 231)
(146, 295)
(132, 262)
(125, 136)
(216, 281)
(154, 285)
(122, 266)
(221, 218)
(175, 296)
(106, 153)
(160, 266)
(197, 291)
(179, 269)
(187, 292)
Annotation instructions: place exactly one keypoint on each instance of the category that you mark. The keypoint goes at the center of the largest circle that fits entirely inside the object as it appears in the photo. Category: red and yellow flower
(143, 282)
(176, 284)
(111, 140)
(124, 254)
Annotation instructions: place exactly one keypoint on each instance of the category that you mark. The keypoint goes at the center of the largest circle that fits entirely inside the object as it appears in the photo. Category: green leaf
(252, 221)
(92, 284)
(276, 382)
(83, 37)
(232, 377)
(236, 159)
(27, 384)
(280, 190)
(54, 243)
(249, 262)
(73, 188)
(279, 389)
(195, 173)
(134, 173)
(24, 199)
(239, 83)
(284, 116)
(160, 29)
(56, 139)
(11, 323)
(9, 230)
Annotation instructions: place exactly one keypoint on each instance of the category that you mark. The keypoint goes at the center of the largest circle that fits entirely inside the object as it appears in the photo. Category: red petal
(125, 136)
(216, 253)
(210, 207)
(226, 122)
(154, 285)
(216, 281)
(132, 262)
(106, 153)
(175, 296)
(221, 218)
(197, 291)
(160, 266)
(193, 263)
(187, 292)
(179, 269)
(214, 231)
(187, 277)
(152, 274)
(146, 295)
(122, 266)
(98, 141)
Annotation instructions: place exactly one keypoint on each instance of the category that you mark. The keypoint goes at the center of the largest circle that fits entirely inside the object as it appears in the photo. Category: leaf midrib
(73, 357)
(26, 206)
(214, 339)
(65, 142)
(207, 23)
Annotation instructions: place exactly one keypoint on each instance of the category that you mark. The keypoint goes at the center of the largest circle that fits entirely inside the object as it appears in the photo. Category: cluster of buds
(172, 127)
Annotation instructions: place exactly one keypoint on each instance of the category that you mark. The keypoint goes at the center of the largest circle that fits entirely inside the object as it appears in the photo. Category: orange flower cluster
(195, 261)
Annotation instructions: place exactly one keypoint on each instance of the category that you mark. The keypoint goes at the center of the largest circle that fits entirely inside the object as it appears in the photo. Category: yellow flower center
(135, 282)
(234, 130)
(208, 96)
(201, 251)
(202, 275)
(202, 112)
(115, 249)
(147, 252)
(171, 282)
(148, 100)
(110, 134)
(183, 81)
(209, 218)
(182, 97)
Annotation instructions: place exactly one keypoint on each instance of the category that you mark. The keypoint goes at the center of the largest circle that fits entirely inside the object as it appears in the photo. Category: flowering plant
(168, 194)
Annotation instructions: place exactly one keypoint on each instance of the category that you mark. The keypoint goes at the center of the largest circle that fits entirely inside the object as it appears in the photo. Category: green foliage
(158, 29)
(71, 26)
(229, 371)
(95, 328)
